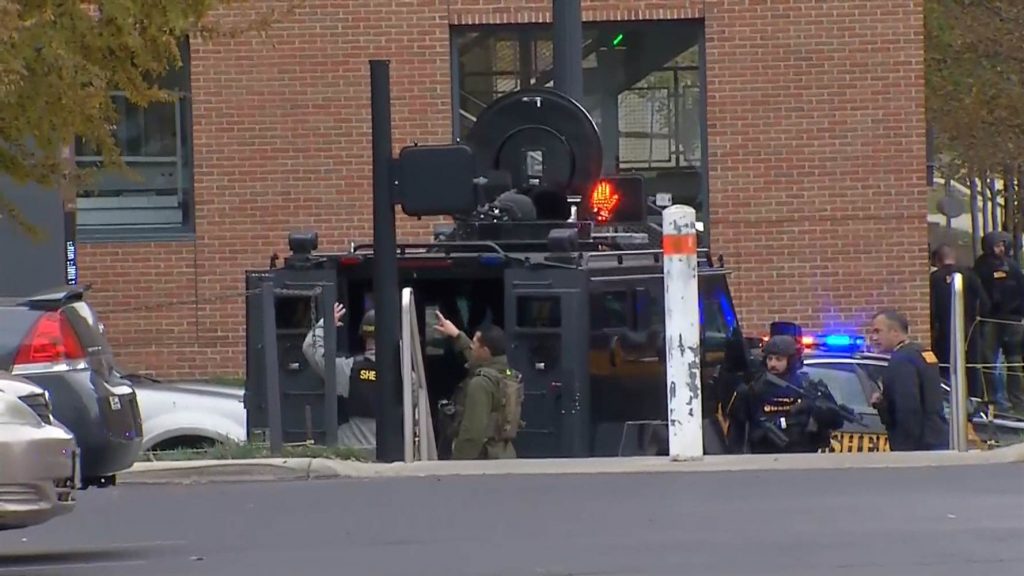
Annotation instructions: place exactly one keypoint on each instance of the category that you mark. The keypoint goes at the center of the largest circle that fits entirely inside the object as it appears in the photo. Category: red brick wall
(816, 144)
(826, 104)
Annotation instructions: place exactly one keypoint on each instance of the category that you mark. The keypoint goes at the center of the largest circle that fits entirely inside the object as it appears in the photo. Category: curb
(203, 471)
(290, 469)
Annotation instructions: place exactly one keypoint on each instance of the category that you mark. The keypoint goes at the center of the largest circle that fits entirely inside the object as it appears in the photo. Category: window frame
(184, 162)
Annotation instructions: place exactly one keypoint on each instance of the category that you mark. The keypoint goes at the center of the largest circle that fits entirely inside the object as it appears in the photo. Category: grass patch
(236, 381)
(238, 451)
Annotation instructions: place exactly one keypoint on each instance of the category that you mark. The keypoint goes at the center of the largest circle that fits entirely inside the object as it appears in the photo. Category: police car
(853, 375)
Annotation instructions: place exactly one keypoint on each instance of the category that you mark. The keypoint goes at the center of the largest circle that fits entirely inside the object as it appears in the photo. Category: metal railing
(418, 427)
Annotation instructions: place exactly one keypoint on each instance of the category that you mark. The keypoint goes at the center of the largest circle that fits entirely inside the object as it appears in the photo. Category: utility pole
(385, 268)
(567, 17)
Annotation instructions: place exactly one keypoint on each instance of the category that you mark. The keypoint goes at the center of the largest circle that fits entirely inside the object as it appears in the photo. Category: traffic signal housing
(615, 200)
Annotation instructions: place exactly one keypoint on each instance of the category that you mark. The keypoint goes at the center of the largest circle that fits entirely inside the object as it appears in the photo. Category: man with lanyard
(910, 402)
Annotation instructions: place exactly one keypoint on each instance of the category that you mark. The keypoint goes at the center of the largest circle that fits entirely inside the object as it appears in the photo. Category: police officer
(477, 400)
(356, 377)
(975, 304)
(1004, 284)
(910, 403)
(768, 417)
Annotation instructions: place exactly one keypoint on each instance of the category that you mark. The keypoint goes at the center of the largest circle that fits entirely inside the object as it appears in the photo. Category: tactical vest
(362, 391)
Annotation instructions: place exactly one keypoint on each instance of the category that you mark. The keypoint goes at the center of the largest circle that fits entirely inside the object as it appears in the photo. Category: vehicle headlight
(13, 411)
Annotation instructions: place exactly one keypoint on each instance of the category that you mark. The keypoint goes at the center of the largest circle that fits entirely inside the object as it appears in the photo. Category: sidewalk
(280, 469)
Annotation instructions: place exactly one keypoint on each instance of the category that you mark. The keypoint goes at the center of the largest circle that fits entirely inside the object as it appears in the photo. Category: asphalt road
(896, 522)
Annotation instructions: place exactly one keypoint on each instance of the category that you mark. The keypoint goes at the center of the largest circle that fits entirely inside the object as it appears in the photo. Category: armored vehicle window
(611, 310)
(648, 310)
(538, 312)
(717, 318)
(433, 340)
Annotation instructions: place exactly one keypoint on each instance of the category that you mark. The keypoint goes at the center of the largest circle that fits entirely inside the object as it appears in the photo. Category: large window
(642, 85)
(153, 198)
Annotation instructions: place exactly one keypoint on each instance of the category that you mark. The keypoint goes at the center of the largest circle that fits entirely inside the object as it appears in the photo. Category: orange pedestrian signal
(604, 199)
(616, 200)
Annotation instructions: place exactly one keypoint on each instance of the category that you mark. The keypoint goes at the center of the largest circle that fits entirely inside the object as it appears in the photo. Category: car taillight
(50, 345)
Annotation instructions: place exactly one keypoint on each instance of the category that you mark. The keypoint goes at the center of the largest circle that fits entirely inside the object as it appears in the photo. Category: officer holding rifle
(782, 410)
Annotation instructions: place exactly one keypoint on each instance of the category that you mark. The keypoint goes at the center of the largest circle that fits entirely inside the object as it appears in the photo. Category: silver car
(38, 460)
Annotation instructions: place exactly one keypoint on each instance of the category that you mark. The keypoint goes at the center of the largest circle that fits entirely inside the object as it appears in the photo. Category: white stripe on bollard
(682, 333)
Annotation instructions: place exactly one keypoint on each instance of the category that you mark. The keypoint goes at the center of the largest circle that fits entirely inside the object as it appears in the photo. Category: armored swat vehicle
(567, 261)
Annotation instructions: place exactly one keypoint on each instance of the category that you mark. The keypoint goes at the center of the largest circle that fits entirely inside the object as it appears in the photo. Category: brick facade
(815, 139)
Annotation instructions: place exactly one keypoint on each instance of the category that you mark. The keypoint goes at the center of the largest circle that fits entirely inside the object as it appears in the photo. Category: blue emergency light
(491, 259)
(835, 342)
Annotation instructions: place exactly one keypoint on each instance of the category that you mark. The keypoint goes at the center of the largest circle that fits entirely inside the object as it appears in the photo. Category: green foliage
(244, 451)
(974, 73)
(61, 59)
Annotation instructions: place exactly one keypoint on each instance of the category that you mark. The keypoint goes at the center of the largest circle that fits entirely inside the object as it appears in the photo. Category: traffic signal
(616, 199)
(436, 180)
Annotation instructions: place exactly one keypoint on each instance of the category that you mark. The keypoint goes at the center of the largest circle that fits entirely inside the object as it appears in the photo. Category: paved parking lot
(910, 522)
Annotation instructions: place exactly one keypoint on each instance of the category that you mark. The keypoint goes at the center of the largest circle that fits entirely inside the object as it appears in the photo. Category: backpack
(508, 414)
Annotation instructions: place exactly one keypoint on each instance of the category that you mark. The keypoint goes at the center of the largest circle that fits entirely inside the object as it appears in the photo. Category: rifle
(817, 392)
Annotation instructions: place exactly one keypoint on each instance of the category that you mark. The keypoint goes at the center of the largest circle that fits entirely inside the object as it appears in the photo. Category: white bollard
(682, 333)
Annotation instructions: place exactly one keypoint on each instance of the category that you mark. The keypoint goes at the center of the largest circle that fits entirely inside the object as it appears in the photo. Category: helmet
(368, 324)
(783, 346)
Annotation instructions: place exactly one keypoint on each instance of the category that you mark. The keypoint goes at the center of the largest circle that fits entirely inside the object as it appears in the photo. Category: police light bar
(835, 342)
(615, 200)
(839, 343)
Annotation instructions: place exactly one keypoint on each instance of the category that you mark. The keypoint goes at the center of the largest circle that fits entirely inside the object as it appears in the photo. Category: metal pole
(567, 17)
(271, 369)
(957, 369)
(328, 295)
(986, 216)
(975, 224)
(408, 316)
(682, 333)
(385, 267)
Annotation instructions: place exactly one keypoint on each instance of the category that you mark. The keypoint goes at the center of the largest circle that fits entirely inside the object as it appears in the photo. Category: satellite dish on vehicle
(542, 138)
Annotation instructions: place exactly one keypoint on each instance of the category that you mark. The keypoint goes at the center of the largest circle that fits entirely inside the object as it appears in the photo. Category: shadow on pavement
(45, 561)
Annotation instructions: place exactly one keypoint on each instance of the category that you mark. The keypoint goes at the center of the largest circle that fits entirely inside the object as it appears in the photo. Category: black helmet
(367, 325)
(783, 346)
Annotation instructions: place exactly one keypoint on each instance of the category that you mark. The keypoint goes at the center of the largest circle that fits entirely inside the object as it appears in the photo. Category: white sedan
(38, 460)
(188, 416)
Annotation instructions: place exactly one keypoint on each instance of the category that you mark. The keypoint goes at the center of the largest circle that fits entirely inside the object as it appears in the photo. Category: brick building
(795, 126)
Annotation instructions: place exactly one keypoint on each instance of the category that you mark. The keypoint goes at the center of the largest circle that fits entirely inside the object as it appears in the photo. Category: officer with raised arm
(356, 377)
(488, 402)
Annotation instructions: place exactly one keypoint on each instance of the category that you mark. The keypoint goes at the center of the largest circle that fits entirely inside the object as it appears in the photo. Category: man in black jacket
(1004, 285)
(910, 404)
(975, 304)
